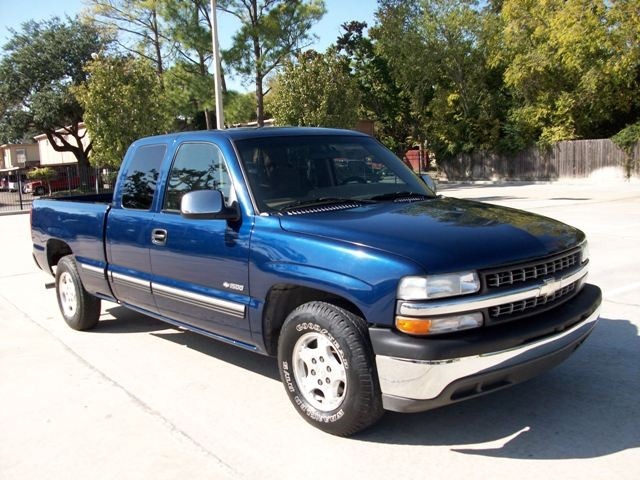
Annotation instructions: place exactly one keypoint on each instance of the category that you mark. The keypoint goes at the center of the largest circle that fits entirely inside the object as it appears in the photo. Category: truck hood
(442, 234)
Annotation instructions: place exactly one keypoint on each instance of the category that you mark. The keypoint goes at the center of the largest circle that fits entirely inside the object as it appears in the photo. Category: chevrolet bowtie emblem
(550, 287)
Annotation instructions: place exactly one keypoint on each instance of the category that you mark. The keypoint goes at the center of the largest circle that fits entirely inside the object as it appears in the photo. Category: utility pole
(216, 67)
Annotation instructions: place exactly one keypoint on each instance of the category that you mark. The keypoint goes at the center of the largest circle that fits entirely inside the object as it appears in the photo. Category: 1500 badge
(233, 286)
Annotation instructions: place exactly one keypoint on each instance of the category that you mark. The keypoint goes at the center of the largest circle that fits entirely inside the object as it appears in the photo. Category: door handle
(159, 236)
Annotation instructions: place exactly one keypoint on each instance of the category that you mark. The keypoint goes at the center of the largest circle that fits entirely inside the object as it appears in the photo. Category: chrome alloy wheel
(318, 368)
(67, 293)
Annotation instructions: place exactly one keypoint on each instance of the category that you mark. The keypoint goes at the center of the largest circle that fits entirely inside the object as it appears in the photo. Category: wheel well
(282, 299)
(56, 249)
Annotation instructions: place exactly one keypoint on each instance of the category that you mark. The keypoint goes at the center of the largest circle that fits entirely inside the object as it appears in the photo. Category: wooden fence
(569, 159)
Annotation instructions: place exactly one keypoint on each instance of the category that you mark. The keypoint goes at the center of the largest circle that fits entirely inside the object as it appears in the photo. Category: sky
(13, 13)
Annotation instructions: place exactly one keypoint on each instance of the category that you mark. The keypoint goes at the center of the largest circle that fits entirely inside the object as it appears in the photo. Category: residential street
(139, 399)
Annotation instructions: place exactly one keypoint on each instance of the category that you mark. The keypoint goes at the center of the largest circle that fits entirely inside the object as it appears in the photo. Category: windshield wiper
(317, 202)
(399, 195)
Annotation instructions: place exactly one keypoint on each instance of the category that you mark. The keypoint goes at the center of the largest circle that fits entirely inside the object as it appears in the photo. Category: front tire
(326, 365)
(79, 309)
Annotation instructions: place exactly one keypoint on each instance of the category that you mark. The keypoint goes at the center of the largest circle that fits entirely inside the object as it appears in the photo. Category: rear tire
(327, 367)
(79, 309)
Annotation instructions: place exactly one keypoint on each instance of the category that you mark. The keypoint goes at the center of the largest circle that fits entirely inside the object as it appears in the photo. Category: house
(50, 157)
(19, 155)
(14, 158)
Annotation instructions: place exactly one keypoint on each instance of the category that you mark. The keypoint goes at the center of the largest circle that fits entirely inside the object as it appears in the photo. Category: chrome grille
(532, 271)
(530, 303)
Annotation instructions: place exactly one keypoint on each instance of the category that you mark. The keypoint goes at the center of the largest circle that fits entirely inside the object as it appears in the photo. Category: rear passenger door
(129, 228)
(200, 267)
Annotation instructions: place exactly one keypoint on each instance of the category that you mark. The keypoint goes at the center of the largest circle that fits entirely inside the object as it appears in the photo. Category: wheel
(327, 368)
(39, 191)
(79, 309)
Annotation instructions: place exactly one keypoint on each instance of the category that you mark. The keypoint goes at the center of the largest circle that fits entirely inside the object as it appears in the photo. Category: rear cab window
(141, 177)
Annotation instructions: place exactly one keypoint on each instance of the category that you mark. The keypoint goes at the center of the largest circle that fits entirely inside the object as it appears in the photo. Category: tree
(123, 101)
(188, 25)
(627, 139)
(316, 91)
(175, 35)
(239, 107)
(139, 25)
(437, 51)
(189, 95)
(44, 174)
(381, 98)
(572, 66)
(271, 32)
(41, 64)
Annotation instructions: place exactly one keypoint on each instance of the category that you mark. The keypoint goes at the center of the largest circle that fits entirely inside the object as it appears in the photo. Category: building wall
(20, 155)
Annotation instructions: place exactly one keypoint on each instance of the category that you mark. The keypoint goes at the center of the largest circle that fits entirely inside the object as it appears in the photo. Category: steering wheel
(353, 180)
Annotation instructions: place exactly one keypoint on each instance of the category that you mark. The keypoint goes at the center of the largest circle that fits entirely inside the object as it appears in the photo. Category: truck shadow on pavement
(128, 321)
(587, 407)
(260, 364)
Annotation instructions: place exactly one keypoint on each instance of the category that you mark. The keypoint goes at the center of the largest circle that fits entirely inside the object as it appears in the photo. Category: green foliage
(123, 101)
(137, 26)
(437, 51)
(628, 139)
(188, 26)
(572, 66)
(45, 174)
(41, 63)
(316, 91)
(271, 32)
(239, 107)
(188, 92)
(381, 98)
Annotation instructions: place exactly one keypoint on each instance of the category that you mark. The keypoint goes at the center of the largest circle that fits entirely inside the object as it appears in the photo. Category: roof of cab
(244, 133)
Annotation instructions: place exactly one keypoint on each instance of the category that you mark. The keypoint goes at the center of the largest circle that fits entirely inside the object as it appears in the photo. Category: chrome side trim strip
(92, 269)
(198, 300)
(465, 304)
(129, 281)
(425, 380)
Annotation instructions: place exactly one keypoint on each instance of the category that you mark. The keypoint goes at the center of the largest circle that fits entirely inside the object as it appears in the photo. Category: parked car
(11, 182)
(62, 181)
(373, 295)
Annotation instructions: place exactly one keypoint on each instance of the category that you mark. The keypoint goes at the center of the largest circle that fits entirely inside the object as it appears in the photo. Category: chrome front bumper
(415, 385)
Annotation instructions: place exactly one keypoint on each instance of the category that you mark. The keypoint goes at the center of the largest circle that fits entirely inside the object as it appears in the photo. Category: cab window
(141, 177)
(197, 166)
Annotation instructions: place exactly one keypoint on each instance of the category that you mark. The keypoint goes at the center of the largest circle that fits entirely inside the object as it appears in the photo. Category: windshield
(292, 172)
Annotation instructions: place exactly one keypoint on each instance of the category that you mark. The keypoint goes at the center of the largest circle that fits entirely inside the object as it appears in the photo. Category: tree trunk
(59, 143)
(157, 47)
(259, 101)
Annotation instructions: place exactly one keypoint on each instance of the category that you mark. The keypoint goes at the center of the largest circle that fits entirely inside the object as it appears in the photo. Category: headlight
(438, 286)
(585, 252)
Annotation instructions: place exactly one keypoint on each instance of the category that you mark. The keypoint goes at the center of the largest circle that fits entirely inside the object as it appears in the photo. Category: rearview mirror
(430, 182)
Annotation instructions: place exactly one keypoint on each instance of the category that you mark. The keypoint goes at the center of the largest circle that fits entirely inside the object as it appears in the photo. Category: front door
(200, 267)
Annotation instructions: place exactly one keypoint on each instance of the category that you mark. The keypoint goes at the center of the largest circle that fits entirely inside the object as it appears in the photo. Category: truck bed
(78, 221)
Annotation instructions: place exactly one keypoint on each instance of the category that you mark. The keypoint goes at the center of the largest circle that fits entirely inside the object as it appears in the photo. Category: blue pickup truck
(322, 248)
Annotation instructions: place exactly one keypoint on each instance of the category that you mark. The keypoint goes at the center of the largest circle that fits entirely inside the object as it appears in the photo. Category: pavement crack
(172, 427)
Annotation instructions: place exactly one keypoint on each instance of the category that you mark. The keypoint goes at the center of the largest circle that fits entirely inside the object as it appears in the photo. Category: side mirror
(207, 205)
(430, 182)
